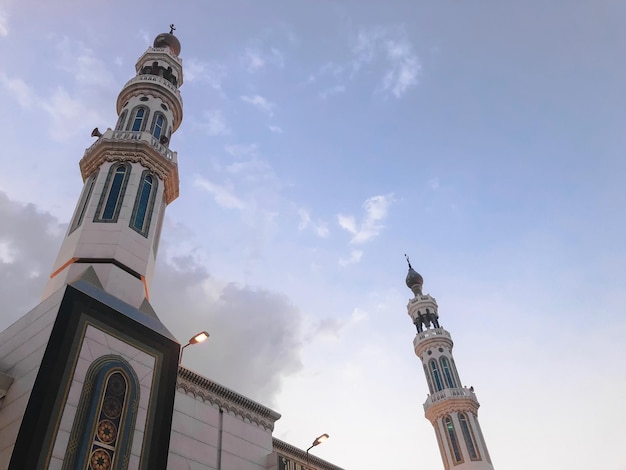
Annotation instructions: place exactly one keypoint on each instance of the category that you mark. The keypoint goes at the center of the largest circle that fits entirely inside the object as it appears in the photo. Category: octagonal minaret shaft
(450, 407)
(130, 175)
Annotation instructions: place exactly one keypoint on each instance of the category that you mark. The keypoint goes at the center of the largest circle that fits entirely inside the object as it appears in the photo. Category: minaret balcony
(431, 337)
(136, 136)
(451, 399)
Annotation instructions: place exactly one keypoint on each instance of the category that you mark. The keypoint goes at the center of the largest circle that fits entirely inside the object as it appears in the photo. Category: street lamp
(199, 338)
(318, 440)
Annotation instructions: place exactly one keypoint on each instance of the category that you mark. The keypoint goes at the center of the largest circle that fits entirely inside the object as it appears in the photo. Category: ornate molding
(452, 405)
(216, 394)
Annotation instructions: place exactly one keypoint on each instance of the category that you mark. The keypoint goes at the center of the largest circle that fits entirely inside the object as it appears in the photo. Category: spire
(414, 280)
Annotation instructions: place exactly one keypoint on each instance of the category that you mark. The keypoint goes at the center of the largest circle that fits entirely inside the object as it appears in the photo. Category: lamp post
(318, 440)
(199, 338)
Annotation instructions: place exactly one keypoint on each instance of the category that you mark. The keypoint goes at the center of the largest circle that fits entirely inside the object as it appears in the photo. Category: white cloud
(242, 150)
(224, 196)
(332, 91)
(254, 59)
(275, 129)
(390, 46)
(320, 228)
(211, 73)
(259, 102)
(4, 24)
(355, 257)
(69, 114)
(214, 123)
(23, 93)
(376, 209)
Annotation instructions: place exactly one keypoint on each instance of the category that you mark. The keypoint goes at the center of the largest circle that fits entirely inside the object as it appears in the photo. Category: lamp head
(199, 338)
(320, 439)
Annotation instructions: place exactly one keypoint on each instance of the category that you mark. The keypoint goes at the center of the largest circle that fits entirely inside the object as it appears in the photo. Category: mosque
(91, 378)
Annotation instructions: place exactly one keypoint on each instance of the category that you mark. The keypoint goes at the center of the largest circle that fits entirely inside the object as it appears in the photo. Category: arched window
(144, 203)
(113, 193)
(138, 120)
(159, 124)
(121, 120)
(103, 428)
(430, 383)
(161, 216)
(447, 374)
(82, 204)
(454, 443)
(455, 373)
(470, 442)
(434, 368)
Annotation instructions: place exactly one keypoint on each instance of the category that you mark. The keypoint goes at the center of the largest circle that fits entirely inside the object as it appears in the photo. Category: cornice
(288, 450)
(451, 405)
(216, 394)
(133, 152)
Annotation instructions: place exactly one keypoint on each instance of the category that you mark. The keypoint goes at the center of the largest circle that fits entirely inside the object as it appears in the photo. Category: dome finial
(172, 28)
(414, 280)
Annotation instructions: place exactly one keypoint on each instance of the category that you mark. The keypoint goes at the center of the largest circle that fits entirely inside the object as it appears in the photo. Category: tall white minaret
(130, 176)
(88, 376)
(450, 407)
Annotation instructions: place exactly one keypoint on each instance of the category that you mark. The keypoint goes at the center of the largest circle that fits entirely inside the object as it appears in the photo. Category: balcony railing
(139, 136)
(448, 393)
(155, 78)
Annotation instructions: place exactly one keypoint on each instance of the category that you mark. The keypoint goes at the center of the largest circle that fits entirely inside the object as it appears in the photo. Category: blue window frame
(447, 374)
(454, 443)
(113, 193)
(121, 120)
(469, 437)
(144, 203)
(159, 123)
(82, 204)
(434, 368)
(138, 119)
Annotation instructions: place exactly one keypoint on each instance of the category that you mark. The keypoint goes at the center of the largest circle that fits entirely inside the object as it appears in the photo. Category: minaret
(88, 376)
(450, 407)
(130, 176)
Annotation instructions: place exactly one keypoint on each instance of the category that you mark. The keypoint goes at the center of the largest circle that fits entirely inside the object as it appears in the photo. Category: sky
(321, 141)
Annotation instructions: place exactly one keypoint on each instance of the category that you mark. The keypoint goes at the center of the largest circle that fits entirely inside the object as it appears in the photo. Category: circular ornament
(117, 385)
(112, 407)
(100, 460)
(107, 432)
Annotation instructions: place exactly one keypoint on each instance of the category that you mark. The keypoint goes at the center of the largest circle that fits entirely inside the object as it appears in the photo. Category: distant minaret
(88, 376)
(451, 408)
(130, 176)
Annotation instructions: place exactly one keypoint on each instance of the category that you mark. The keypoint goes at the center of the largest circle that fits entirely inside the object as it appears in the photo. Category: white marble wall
(22, 346)
(195, 436)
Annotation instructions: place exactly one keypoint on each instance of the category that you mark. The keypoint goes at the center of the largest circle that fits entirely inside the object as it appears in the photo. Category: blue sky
(323, 140)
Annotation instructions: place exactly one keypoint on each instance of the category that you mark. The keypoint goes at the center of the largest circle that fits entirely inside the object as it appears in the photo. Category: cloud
(213, 123)
(275, 129)
(223, 195)
(376, 209)
(255, 333)
(23, 93)
(242, 150)
(211, 73)
(254, 59)
(355, 257)
(260, 102)
(4, 24)
(391, 47)
(29, 242)
(332, 91)
(319, 227)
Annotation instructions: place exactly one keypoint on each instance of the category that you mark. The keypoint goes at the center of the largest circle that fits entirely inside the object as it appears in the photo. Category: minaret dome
(414, 280)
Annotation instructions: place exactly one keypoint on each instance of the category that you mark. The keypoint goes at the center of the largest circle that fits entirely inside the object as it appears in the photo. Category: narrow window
(430, 382)
(447, 374)
(469, 437)
(138, 119)
(144, 203)
(112, 194)
(158, 126)
(121, 120)
(157, 236)
(454, 444)
(82, 204)
(436, 377)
